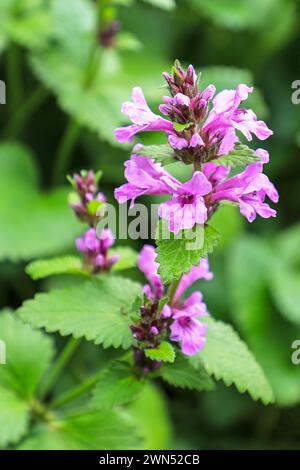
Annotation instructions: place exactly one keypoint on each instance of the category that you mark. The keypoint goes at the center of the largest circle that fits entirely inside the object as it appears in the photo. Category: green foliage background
(56, 121)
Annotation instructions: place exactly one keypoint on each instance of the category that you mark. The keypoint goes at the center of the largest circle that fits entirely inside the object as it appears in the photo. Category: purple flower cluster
(86, 201)
(95, 250)
(201, 126)
(88, 204)
(180, 316)
(197, 134)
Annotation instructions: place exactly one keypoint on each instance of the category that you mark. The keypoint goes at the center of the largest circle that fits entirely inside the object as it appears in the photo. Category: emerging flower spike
(87, 202)
(180, 318)
(95, 250)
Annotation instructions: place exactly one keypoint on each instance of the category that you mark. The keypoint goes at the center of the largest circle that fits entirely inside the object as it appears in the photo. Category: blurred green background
(67, 72)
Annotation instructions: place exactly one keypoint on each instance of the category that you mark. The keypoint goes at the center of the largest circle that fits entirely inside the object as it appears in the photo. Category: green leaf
(241, 155)
(182, 374)
(98, 310)
(118, 386)
(29, 354)
(228, 358)
(150, 411)
(178, 253)
(181, 127)
(127, 260)
(14, 417)
(95, 430)
(160, 153)
(165, 352)
(33, 223)
(49, 267)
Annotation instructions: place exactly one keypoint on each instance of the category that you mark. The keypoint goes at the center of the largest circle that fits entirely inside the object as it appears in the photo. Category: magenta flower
(95, 250)
(196, 273)
(225, 117)
(185, 327)
(249, 188)
(142, 117)
(144, 177)
(187, 207)
(148, 265)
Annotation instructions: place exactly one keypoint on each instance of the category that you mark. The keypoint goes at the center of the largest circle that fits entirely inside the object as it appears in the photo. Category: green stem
(59, 365)
(20, 118)
(65, 148)
(76, 391)
(14, 78)
(172, 290)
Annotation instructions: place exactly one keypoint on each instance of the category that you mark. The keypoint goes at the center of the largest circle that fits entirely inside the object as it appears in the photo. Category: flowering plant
(164, 327)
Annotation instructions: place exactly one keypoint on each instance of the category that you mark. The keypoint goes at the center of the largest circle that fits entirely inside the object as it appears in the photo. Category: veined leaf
(178, 253)
(165, 352)
(160, 153)
(49, 267)
(14, 417)
(28, 352)
(182, 374)
(227, 357)
(95, 430)
(118, 386)
(241, 155)
(98, 310)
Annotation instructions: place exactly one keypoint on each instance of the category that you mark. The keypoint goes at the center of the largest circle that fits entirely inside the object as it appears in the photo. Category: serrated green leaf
(228, 358)
(14, 417)
(177, 254)
(160, 153)
(33, 223)
(28, 355)
(181, 127)
(165, 352)
(241, 155)
(182, 374)
(127, 260)
(49, 267)
(118, 386)
(98, 310)
(96, 430)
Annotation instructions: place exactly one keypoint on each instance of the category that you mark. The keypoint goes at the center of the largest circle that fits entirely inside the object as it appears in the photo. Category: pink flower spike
(186, 329)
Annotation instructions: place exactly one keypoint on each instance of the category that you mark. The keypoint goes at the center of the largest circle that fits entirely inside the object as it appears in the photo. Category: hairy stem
(59, 365)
